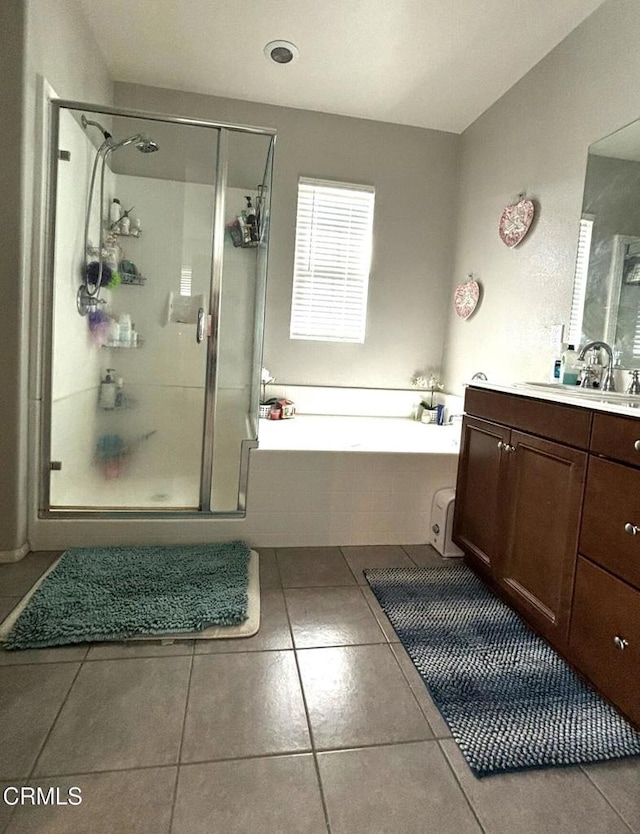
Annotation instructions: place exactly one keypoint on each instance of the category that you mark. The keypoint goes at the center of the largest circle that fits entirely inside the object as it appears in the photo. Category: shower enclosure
(153, 317)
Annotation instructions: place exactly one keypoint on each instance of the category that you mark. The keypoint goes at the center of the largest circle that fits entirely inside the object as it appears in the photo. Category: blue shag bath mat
(111, 593)
(510, 701)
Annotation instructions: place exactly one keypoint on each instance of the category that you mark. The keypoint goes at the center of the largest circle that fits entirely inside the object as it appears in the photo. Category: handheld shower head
(142, 143)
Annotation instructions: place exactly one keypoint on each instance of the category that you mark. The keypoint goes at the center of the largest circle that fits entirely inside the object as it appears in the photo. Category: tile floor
(317, 724)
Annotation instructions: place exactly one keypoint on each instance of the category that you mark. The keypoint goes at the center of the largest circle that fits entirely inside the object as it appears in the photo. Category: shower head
(146, 145)
(142, 143)
(86, 122)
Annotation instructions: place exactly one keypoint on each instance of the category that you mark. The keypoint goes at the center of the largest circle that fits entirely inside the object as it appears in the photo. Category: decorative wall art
(466, 297)
(515, 221)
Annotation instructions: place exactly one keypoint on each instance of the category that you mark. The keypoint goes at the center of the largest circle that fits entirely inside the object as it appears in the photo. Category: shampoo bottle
(108, 390)
(569, 366)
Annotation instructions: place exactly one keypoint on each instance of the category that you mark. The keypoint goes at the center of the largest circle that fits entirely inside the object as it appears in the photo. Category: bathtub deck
(323, 433)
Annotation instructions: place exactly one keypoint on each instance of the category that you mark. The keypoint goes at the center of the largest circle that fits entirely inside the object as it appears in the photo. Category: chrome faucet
(608, 382)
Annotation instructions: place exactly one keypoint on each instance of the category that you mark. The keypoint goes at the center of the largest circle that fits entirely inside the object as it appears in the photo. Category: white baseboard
(14, 555)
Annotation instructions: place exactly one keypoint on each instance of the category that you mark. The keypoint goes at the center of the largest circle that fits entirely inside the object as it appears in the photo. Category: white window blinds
(580, 281)
(334, 229)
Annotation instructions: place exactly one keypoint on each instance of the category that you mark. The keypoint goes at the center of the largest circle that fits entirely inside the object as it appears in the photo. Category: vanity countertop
(627, 405)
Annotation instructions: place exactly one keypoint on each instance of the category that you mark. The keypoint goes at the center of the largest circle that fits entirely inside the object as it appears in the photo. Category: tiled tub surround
(329, 480)
(319, 724)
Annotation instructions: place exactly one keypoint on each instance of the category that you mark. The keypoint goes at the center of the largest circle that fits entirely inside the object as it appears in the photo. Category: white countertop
(613, 403)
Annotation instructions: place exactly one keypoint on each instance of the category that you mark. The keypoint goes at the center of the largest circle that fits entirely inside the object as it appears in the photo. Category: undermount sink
(617, 397)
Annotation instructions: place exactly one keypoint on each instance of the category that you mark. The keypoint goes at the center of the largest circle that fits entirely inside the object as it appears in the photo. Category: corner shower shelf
(121, 346)
(131, 280)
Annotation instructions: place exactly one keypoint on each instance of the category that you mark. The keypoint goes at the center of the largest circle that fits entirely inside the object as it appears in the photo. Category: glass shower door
(239, 312)
(158, 263)
(128, 377)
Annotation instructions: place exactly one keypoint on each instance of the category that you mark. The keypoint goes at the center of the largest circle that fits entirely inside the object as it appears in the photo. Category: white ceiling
(430, 63)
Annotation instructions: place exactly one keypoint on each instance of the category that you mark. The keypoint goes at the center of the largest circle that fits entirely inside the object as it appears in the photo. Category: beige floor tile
(269, 575)
(7, 604)
(619, 781)
(276, 795)
(17, 577)
(30, 697)
(432, 713)
(357, 695)
(309, 567)
(58, 654)
(244, 704)
(536, 801)
(360, 557)
(143, 648)
(119, 714)
(128, 801)
(7, 808)
(274, 632)
(379, 614)
(404, 788)
(331, 617)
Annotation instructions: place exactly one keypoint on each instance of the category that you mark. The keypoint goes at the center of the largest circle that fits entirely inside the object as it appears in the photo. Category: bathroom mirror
(606, 296)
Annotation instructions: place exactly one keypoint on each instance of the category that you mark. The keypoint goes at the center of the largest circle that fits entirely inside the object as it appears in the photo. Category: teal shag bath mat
(113, 593)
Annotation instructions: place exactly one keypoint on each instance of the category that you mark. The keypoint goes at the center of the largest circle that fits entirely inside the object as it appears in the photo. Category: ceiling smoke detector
(281, 52)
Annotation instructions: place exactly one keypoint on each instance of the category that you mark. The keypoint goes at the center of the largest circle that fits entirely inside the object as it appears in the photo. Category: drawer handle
(631, 529)
(501, 444)
(636, 445)
(620, 643)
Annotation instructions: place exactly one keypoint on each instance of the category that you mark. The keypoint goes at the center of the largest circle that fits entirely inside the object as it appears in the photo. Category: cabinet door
(479, 522)
(545, 486)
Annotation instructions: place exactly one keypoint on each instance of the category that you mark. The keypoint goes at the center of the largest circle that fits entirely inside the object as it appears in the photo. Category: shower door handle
(200, 326)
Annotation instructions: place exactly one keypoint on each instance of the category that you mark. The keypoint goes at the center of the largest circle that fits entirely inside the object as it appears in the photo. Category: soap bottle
(569, 366)
(251, 219)
(115, 212)
(119, 403)
(125, 329)
(108, 390)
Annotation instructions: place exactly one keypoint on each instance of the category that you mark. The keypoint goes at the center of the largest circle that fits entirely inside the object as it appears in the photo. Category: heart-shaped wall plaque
(466, 297)
(515, 221)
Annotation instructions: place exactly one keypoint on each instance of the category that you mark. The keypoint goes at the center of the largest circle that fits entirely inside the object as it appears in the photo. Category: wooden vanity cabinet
(479, 508)
(518, 500)
(548, 511)
(604, 639)
(544, 497)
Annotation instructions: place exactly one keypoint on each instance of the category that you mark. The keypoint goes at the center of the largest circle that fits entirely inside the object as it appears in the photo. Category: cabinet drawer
(611, 513)
(605, 635)
(565, 423)
(616, 437)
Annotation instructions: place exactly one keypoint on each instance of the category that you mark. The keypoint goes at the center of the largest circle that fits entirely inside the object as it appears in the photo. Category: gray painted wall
(72, 64)
(535, 138)
(414, 174)
(13, 397)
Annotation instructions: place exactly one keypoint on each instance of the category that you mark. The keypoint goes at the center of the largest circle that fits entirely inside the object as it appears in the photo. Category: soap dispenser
(569, 366)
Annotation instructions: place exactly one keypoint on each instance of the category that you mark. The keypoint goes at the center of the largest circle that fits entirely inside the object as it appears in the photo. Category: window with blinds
(334, 231)
(580, 281)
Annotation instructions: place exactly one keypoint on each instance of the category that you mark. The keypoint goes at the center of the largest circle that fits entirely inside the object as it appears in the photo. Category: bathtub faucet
(608, 383)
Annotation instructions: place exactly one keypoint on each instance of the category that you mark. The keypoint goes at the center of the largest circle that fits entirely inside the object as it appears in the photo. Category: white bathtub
(326, 480)
(324, 433)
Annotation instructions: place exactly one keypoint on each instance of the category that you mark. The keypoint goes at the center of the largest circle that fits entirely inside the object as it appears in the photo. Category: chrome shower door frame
(224, 129)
